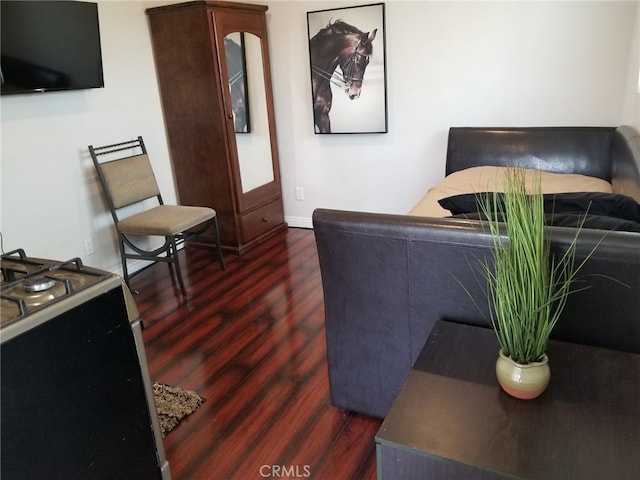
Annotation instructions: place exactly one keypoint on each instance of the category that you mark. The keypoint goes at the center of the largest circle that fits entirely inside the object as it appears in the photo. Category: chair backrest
(129, 180)
(125, 180)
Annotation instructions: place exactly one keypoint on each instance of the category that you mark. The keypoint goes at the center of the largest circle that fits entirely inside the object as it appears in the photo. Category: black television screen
(49, 46)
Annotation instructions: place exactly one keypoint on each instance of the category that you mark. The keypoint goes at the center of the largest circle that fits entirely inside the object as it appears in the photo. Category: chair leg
(220, 257)
(174, 255)
(123, 259)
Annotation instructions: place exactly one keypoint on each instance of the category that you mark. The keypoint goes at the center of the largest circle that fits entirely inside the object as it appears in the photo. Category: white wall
(631, 111)
(448, 64)
(50, 199)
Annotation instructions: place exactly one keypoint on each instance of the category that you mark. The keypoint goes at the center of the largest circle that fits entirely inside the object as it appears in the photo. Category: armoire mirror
(243, 52)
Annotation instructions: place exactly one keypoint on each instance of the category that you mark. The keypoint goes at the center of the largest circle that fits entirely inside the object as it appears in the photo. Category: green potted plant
(526, 284)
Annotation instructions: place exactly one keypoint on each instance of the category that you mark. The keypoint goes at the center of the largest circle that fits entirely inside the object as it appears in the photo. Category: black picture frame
(344, 100)
(238, 87)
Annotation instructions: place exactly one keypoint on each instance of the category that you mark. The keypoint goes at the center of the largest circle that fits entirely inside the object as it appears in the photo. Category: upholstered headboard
(625, 162)
(582, 150)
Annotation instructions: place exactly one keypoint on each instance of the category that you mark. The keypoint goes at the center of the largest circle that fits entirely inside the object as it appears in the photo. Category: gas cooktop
(31, 284)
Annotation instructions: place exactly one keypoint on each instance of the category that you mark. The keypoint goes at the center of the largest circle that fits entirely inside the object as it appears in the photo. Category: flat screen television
(49, 46)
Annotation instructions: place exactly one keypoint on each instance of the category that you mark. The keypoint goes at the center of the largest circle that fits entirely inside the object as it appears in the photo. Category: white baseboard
(299, 222)
(133, 266)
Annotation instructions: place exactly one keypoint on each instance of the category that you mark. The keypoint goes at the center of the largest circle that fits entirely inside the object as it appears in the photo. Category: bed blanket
(491, 178)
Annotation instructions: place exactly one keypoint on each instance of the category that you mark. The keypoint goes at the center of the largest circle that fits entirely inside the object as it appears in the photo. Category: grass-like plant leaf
(527, 286)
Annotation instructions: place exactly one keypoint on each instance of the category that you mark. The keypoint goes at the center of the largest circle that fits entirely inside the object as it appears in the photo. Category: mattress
(489, 179)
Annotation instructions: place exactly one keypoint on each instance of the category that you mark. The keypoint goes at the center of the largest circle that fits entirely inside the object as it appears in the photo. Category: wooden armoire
(212, 62)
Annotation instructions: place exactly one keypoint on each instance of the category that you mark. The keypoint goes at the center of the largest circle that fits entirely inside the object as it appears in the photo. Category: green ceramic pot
(522, 381)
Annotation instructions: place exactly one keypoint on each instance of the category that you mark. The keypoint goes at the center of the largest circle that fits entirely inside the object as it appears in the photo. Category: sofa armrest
(379, 295)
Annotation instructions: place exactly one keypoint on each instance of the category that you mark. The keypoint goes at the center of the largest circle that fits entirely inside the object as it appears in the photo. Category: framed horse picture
(348, 69)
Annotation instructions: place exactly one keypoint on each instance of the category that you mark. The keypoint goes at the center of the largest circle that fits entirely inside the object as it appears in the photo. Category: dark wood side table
(452, 420)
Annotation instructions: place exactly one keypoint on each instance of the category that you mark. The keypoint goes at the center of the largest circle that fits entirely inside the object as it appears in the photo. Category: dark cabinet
(212, 62)
(76, 394)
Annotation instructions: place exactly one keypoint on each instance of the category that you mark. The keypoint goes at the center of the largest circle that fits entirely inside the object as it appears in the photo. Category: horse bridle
(347, 73)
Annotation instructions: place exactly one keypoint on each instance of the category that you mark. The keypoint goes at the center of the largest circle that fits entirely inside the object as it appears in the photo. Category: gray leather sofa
(388, 278)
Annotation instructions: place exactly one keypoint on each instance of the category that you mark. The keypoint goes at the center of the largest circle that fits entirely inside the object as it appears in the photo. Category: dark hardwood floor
(251, 341)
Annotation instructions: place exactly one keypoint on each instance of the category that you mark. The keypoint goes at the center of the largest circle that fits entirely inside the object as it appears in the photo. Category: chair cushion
(165, 220)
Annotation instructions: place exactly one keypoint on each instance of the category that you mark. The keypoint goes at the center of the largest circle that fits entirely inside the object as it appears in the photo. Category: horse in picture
(337, 45)
(237, 84)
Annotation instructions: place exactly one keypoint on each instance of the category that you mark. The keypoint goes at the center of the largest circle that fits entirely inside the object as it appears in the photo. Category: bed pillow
(608, 211)
(491, 178)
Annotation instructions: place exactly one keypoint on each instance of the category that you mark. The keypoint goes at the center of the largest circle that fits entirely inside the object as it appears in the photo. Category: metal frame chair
(128, 180)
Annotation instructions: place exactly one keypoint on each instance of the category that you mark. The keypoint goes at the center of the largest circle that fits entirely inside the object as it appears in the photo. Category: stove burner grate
(29, 284)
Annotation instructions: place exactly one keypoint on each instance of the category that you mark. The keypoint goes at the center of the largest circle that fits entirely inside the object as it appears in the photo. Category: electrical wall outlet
(299, 193)
(88, 246)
